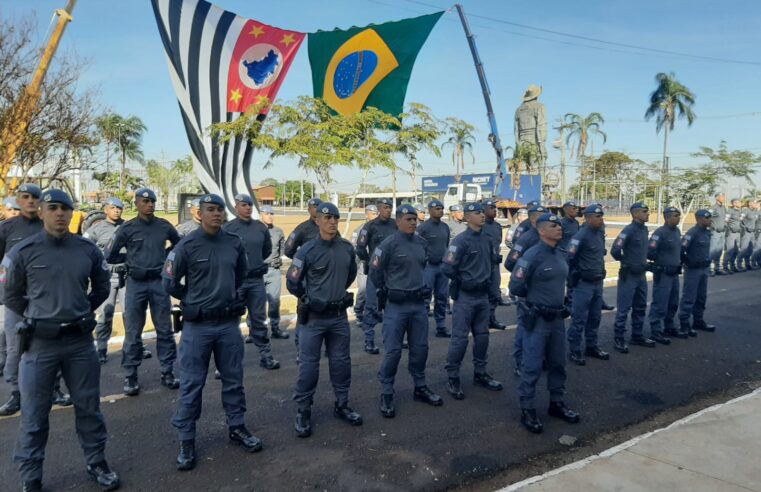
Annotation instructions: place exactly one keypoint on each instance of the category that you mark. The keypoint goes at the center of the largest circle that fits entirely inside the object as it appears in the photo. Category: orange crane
(13, 134)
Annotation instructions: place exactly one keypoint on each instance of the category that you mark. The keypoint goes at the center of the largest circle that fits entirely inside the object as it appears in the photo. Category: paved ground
(476, 443)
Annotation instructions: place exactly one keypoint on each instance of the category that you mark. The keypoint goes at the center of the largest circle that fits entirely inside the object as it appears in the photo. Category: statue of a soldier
(531, 126)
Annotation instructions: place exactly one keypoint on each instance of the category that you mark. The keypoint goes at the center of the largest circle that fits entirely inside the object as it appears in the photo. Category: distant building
(265, 195)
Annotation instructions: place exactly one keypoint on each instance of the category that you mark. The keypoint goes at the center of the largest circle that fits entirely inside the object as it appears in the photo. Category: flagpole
(494, 135)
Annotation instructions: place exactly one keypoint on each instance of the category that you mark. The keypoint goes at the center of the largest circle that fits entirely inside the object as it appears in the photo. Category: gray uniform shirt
(256, 241)
(719, 217)
(665, 247)
(102, 232)
(734, 216)
(455, 228)
(322, 270)
(749, 220)
(274, 260)
(436, 235)
(187, 227)
(398, 263)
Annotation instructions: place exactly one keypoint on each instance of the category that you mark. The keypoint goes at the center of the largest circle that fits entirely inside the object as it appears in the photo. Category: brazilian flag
(367, 66)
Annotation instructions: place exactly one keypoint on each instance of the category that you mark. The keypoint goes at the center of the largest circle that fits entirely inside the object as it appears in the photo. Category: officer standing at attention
(55, 280)
(11, 208)
(320, 274)
(206, 271)
(630, 249)
(525, 223)
(748, 226)
(755, 257)
(258, 245)
(456, 221)
(718, 233)
(732, 243)
(370, 236)
(194, 222)
(570, 227)
(396, 269)
(371, 212)
(586, 261)
(420, 213)
(273, 277)
(520, 216)
(493, 230)
(436, 234)
(696, 260)
(469, 264)
(101, 233)
(665, 254)
(539, 278)
(144, 239)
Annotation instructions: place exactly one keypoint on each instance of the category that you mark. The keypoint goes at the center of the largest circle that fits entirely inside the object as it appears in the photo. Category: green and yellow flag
(367, 66)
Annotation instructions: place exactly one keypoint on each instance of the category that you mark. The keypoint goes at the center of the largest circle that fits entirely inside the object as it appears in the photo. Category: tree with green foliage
(461, 140)
(126, 133)
(726, 163)
(176, 178)
(583, 129)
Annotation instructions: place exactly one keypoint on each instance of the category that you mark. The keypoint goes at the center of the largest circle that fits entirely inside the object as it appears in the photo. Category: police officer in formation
(586, 260)
(539, 279)
(520, 216)
(718, 231)
(321, 272)
(748, 226)
(755, 257)
(696, 259)
(436, 234)
(524, 222)
(630, 249)
(570, 227)
(493, 230)
(101, 234)
(145, 240)
(396, 271)
(732, 241)
(54, 280)
(370, 236)
(371, 212)
(206, 271)
(11, 208)
(469, 264)
(273, 277)
(665, 254)
(258, 245)
(194, 222)
(456, 221)
(421, 210)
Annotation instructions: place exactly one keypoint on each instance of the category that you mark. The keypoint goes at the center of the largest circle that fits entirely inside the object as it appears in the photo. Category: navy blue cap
(532, 203)
(570, 204)
(57, 196)
(406, 209)
(115, 202)
(241, 197)
(638, 205)
(536, 208)
(594, 210)
(671, 210)
(314, 202)
(489, 202)
(420, 208)
(384, 201)
(195, 202)
(703, 213)
(455, 208)
(145, 193)
(435, 204)
(474, 207)
(266, 209)
(371, 208)
(328, 208)
(30, 188)
(11, 203)
(213, 199)
(547, 217)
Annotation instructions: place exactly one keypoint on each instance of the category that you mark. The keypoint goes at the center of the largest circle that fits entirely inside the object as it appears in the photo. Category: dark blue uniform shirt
(630, 247)
(436, 235)
(322, 270)
(470, 258)
(528, 239)
(540, 276)
(665, 248)
(145, 241)
(570, 228)
(304, 232)
(586, 252)
(696, 245)
(398, 262)
(372, 234)
(256, 241)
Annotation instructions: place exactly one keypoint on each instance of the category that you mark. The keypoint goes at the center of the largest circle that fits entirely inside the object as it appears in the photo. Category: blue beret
(474, 207)
(115, 202)
(145, 193)
(384, 201)
(57, 196)
(406, 209)
(455, 208)
(547, 217)
(490, 203)
(314, 202)
(11, 203)
(638, 205)
(703, 213)
(435, 204)
(536, 208)
(266, 209)
(195, 202)
(570, 204)
(371, 208)
(671, 210)
(328, 208)
(213, 199)
(30, 188)
(532, 203)
(594, 210)
(240, 197)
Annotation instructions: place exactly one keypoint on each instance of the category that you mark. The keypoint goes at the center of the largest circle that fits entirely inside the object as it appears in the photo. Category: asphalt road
(463, 442)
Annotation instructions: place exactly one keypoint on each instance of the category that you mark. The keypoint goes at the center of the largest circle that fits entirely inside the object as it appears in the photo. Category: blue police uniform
(718, 234)
(732, 240)
(361, 281)
(755, 257)
(145, 242)
(273, 278)
(696, 260)
(55, 284)
(436, 234)
(206, 272)
(493, 230)
(570, 228)
(664, 251)
(319, 275)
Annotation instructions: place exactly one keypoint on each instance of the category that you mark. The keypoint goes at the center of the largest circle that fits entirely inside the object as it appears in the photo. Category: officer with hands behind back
(696, 259)
(664, 253)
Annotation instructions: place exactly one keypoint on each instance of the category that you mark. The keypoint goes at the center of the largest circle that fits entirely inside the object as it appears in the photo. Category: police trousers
(76, 358)
(104, 316)
(631, 296)
(716, 248)
(140, 295)
(371, 315)
(518, 340)
(470, 314)
(495, 294)
(732, 249)
(746, 247)
(435, 279)
(11, 370)
(3, 339)
(334, 331)
(546, 341)
(398, 319)
(199, 341)
(665, 303)
(252, 290)
(756, 255)
(694, 294)
(273, 285)
(586, 314)
(361, 299)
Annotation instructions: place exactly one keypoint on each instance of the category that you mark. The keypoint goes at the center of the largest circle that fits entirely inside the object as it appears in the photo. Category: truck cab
(462, 193)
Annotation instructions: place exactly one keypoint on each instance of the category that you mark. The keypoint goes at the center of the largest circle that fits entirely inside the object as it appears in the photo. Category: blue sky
(127, 62)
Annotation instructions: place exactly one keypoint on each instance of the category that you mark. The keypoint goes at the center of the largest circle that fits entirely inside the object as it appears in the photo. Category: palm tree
(669, 100)
(461, 140)
(128, 133)
(106, 128)
(582, 129)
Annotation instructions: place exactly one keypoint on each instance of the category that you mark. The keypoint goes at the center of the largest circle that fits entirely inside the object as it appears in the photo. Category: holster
(527, 315)
(382, 295)
(121, 272)
(623, 272)
(348, 300)
(177, 319)
(302, 311)
(24, 332)
(454, 290)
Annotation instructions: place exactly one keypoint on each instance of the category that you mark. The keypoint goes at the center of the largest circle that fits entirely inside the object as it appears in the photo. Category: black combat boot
(279, 334)
(493, 323)
(102, 473)
(559, 410)
(620, 345)
(370, 348)
(241, 436)
(484, 380)
(684, 328)
(530, 421)
(660, 338)
(11, 406)
(703, 326)
(642, 341)
(424, 394)
(60, 398)
(455, 388)
(597, 353)
(577, 358)
(303, 424)
(345, 413)
(168, 380)
(387, 405)
(102, 356)
(131, 386)
(269, 363)
(186, 460)
(32, 485)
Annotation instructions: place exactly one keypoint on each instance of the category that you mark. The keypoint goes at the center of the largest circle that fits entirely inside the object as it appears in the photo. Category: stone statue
(531, 127)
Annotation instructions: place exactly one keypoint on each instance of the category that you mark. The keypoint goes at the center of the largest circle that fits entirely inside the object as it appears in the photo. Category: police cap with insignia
(58, 196)
(266, 209)
(474, 207)
(327, 208)
(706, 214)
(532, 203)
(490, 202)
(536, 209)
(547, 217)
(371, 208)
(30, 188)
(671, 210)
(435, 204)
(243, 198)
(314, 202)
(213, 199)
(638, 206)
(145, 193)
(384, 201)
(455, 208)
(406, 209)
(570, 204)
(115, 202)
(594, 210)
(11, 203)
